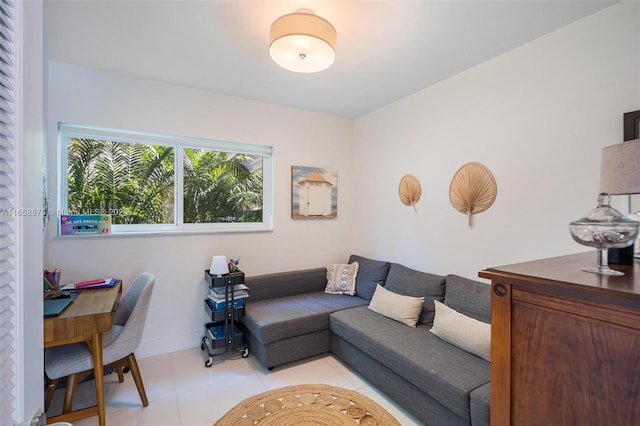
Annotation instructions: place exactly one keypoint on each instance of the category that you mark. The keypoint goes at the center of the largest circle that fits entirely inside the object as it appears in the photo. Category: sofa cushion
(407, 281)
(469, 297)
(405, 309)
(341, 279)
(271, 320)
(444, 372)
(370, 273)
(465, 332)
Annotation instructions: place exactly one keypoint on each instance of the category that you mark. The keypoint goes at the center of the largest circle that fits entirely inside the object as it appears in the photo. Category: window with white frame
(157, 183)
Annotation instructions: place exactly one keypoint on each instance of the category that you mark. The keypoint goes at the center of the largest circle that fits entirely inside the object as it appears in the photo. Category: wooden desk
(84, 321)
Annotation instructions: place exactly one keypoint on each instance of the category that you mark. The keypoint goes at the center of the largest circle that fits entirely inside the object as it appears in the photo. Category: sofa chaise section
(287, 316)
(441, 372)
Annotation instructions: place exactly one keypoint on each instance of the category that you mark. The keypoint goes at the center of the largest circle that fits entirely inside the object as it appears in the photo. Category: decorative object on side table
(473, 189)
(233, 265)
(620, 175)
(603, 228)
(410, 191)
(219, 266)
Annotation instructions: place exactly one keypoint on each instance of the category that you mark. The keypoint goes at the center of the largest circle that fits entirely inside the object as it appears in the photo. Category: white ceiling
(386, 49)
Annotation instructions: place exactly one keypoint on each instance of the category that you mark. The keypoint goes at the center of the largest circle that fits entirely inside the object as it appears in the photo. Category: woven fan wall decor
(473, 189)
(410, 191)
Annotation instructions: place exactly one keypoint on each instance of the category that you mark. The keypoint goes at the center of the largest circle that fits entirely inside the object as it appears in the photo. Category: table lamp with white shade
(620, 175)
(219, 266)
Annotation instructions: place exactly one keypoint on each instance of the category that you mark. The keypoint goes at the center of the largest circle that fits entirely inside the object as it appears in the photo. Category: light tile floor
(182, 391)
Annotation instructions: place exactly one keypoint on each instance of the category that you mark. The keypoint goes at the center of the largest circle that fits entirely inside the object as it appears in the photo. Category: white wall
(537, 117)
(175, 321)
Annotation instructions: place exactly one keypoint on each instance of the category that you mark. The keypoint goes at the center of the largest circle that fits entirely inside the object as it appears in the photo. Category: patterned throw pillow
(341, 279)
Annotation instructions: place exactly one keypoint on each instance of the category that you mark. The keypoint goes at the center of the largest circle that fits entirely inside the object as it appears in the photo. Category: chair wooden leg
(137, 378)
(51, 390)
(120, 374)
(69, 393)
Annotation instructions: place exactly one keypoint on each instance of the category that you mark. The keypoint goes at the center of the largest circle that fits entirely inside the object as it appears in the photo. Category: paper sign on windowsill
(96, 224)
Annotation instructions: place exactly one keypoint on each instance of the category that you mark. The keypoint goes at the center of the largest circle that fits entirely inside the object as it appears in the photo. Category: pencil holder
(51, 279)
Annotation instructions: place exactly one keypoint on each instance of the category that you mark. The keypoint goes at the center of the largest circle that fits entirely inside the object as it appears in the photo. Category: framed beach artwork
(314, 192)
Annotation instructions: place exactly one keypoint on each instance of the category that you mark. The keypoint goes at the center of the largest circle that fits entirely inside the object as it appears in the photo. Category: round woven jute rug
(319, 405)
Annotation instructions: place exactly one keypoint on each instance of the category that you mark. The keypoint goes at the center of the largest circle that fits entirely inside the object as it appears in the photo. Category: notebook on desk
(54, 307)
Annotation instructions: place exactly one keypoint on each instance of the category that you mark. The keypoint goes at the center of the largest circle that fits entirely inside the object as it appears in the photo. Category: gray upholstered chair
(75, 361)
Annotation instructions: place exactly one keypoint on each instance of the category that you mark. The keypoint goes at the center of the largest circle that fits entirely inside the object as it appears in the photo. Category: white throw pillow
(405, 309)
(341, 278)
(462, 331)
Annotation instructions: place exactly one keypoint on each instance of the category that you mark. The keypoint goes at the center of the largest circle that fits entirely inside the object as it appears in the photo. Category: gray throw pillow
(370, 273)
(409, 282)
(469, 297)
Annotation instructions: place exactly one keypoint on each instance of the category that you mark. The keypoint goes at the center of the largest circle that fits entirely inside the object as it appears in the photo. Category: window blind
(8, 218)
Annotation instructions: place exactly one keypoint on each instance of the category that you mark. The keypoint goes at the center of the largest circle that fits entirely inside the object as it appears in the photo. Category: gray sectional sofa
(290, 317)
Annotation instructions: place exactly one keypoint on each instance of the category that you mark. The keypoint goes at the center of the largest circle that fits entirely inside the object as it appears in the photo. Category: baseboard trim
(160, 346)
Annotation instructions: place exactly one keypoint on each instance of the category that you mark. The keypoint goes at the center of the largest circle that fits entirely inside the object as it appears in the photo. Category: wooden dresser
(565, 344)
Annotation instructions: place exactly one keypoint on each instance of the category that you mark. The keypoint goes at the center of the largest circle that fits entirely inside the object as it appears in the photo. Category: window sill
(177, 232)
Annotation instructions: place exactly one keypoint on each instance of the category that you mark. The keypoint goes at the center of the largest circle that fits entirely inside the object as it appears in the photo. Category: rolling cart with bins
(223, 333)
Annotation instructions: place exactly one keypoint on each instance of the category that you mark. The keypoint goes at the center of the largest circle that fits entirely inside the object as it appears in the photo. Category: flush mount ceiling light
(303, 42)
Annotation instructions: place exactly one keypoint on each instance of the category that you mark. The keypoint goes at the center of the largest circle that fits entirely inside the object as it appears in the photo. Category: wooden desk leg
(98, 372)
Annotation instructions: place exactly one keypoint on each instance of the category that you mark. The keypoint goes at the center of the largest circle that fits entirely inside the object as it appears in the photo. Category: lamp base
(603, 267)
(603, 270)
(623, 256)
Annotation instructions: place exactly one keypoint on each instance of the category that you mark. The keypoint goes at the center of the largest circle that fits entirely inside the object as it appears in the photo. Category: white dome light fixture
(303, 42)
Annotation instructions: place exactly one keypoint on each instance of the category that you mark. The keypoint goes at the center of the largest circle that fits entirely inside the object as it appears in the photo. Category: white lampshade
(219, 266)
(303, 42)
(620, 168)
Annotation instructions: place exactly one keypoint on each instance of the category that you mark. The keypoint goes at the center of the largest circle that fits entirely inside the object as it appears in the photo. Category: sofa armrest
(479, 405)
(282, 284)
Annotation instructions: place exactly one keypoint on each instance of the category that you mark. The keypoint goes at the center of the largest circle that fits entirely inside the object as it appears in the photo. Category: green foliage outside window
(136, 183)
(221, 187)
